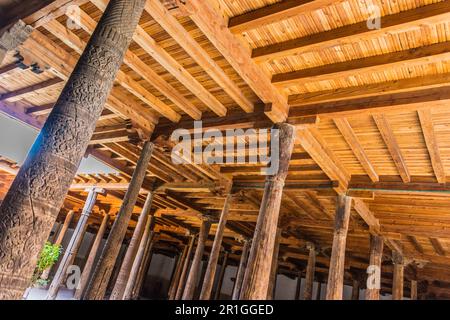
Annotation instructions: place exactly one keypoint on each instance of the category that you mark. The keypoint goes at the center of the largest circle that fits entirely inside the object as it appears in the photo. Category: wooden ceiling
(371, 108)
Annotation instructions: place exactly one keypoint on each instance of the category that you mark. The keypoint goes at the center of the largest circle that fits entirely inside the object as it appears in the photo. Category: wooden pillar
(14, 36)
(298, 286)
(215, 250)
(355, 290)
(221, 275)
(36, 195)
(145, 265)
(74, 244)
(257, 275)
(397, 282)
(310, 270)
(241, 270)
(54, 236)
(59, 239)
(336, 273)
(125, 269)
(374, 270)
(274, 268)
(97, 286)
(90, 261)
(413, 289)
(184, 272)
(319, 290)
(177, 274)
(128, 291)
(194, 273)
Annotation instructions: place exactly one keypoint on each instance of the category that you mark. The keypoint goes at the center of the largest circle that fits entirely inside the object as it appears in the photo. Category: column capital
(15, 35)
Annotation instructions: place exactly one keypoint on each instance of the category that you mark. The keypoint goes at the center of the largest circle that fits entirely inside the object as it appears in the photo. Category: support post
(99, 281)
(184, 272)
(125, 269)
(310, 270)
(194, 273)
(137, 263)
(90, 261)
(74, 244)
(59, 240)
(355, 290)
(223, 267)
(397, 282)
(241, 270)
(298, 286)
(36, 195)
(257, 275)
(319, 290)
(335, 285)
(413, 289)
(274, 268)
(215, 250)
(177, 274)
(374, 270)
(143, 269)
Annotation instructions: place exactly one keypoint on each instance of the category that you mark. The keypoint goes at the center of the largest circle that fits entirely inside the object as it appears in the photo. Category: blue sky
(16, 139)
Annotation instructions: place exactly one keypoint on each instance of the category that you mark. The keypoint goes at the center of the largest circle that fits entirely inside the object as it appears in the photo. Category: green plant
(49, 256)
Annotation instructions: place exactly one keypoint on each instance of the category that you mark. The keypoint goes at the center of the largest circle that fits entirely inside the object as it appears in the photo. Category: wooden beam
(369, 90)
(391, 143)
(437, 98)
(274, 13)
(429, 135)
(46, 84)
(349, 34)
(310, 139)
(437, 246)
(364, 212)
(412, 57)
(216, 30)
(349, 135)
(174, 28)
(335, 285)
(415, 244)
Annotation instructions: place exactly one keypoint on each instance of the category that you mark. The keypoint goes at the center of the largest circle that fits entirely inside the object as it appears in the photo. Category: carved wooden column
(90, 261)
(374, 270)
(99, 281)
(413, 289)
(34, 199)
(184, 272)
(310, 270)
(59, 239)
(147, 259)
(257, 275)
(194, 273)
(336, 273)
(397, 282)
(215, 250)
(124, 273)
(223, 267)
(274, 268)
(13, 37)
(137, 263)
(74, 244)
(241, 270)
(176, 277)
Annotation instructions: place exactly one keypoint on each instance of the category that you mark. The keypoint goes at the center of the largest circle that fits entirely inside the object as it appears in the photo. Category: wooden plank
(274, 13)
(430, 14)
(174, 28)
(26, 90)
(391, 143)
(426, 123)
(379, 63)
(349, 135)
(214, 27)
